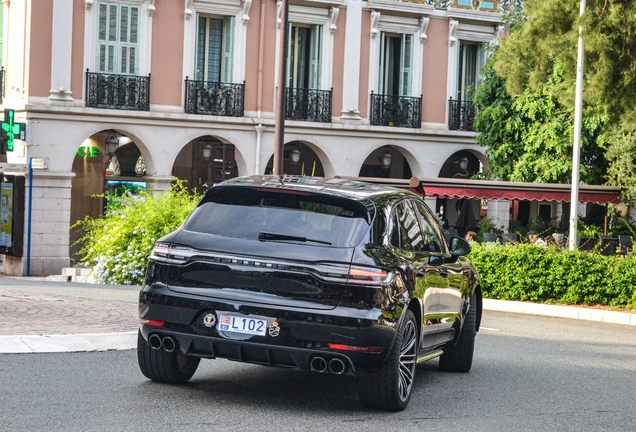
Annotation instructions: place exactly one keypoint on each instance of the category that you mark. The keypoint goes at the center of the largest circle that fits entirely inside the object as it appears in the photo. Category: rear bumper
(302, 335)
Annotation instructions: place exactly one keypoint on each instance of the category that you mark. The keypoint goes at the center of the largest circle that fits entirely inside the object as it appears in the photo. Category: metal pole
(576, 153)
(28, 263)
(279, 135)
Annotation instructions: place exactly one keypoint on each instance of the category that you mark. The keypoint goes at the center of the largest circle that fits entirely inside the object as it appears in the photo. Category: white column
(353, 36)
(259, 139)
(61, 51)
(499, 213)
(453, 48)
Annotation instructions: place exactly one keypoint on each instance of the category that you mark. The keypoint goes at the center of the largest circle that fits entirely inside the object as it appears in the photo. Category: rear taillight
(363, 349)
(367, 276)
(150, 322)
(161, 251)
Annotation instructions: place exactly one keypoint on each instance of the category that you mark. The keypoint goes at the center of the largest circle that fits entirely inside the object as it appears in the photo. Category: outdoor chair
(625, 245)
(608, 245)
(509, 238)
(586, 243)
(491, 237)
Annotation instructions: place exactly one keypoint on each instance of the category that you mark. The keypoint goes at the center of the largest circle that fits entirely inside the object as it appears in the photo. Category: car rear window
(246, 212)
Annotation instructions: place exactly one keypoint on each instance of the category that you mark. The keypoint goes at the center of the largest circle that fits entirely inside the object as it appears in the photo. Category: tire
(458, 356)
(390, 388)
(162, 366)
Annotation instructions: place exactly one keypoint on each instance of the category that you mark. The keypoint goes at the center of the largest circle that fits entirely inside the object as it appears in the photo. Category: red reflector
(151, 322)
(373, 350)
(283, 191)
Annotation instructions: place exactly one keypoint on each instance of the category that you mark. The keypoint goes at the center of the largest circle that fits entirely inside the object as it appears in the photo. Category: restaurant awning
(485, 189)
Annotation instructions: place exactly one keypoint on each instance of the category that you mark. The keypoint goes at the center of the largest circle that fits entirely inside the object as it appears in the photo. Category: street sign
(13, 168)
(40, 163)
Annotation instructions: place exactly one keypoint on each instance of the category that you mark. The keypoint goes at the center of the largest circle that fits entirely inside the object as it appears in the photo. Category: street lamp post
(576, 153)
(279, 133)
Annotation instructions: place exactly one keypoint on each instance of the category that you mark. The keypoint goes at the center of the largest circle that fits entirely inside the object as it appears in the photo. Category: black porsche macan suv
(328, 275)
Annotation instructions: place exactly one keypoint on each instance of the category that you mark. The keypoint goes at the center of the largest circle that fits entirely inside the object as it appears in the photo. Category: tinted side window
(409, 228)
(430, 231)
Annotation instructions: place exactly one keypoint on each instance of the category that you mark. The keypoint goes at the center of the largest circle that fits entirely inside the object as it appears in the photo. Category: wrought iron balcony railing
(2, 73)
(111, 91)
(399, 111)
(308, 104)
(214, 98)
(461, 115)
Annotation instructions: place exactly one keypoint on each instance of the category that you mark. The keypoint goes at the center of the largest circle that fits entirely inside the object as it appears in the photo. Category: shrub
(526, 272)
(118, 244)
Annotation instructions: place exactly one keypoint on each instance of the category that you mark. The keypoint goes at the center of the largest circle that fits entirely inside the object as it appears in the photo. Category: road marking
(487, 328)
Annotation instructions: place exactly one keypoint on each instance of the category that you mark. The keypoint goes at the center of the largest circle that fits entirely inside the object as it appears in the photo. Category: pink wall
(365, 48)
(269, 57)
(167, 54)
(251, 56)
(39, 62)
(338, 63)
(77, 57)
(435, 72)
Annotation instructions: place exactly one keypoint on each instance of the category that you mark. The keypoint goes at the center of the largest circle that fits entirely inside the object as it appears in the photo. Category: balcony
(309, 105)
(399, 111)
(2, 74)
(122, 92)
(214, 98)
(461, 115)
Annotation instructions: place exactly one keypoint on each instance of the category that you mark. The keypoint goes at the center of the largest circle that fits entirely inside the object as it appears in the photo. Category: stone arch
(312, 160)
(224, 162)
(403, 163)
(451, 166)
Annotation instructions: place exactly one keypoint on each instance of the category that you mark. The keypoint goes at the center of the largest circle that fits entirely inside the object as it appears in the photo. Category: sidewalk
(41, 316)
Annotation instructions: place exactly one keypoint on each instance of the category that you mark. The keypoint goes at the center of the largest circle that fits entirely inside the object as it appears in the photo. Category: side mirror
(459, 247)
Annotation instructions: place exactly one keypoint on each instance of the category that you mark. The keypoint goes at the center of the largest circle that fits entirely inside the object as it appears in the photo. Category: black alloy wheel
(390, 388)
(162, 366)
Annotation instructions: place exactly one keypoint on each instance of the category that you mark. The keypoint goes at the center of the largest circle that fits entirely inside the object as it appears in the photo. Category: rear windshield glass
(268, 214)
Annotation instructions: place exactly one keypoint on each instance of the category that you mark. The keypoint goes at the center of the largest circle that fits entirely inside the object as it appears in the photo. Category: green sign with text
(11, 130)
(87, 152)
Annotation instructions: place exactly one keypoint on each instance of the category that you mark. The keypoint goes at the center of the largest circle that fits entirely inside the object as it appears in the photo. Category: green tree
(529, 136)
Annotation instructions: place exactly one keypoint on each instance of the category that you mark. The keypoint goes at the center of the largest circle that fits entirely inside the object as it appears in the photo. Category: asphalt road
(530, 373)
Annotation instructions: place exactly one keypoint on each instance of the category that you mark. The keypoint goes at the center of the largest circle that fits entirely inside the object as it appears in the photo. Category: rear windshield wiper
(263, 236)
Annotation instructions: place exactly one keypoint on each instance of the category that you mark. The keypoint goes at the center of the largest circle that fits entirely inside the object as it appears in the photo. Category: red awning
(526, 195)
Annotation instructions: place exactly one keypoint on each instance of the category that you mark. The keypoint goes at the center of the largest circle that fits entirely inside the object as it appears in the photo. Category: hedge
(525, 272)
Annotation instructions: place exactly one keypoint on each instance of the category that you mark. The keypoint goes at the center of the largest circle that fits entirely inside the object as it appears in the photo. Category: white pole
(576, 153)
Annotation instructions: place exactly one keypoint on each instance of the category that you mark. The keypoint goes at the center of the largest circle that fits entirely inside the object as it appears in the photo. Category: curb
(572, 312)
(25, 344)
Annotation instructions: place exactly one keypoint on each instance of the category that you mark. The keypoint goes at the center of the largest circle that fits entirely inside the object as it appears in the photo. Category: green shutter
(316, 48)
(228, 48)
(199, 62)
(382, 63)
(117, 38)
(406, 65)
(291, 45)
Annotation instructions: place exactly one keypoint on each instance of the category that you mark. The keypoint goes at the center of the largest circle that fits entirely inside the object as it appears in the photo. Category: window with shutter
(215, 49)
(304, 56)
(118, 39)
(396, 64)
(472, 57)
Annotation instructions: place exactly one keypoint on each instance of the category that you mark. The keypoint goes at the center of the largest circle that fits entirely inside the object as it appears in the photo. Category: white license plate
(244, 325)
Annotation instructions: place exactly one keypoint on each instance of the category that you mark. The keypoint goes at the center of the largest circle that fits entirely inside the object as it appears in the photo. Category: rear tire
(390, 388)
(162, 366)
(458, 356)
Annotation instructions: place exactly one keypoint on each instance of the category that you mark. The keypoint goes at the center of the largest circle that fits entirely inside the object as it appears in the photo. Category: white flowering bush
(118, 244)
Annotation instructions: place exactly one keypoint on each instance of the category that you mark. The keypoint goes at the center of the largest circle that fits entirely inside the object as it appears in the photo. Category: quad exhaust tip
(154, 341)
(337, 366)
(168, 344)
(318, 364)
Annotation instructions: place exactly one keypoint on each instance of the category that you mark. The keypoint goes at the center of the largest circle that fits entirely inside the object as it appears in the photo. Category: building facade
(186, 88)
